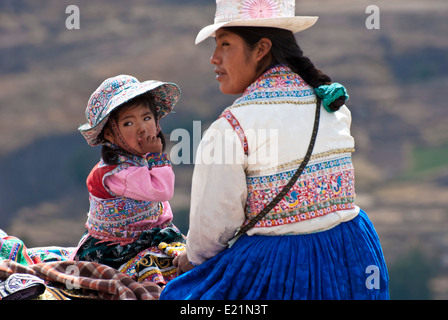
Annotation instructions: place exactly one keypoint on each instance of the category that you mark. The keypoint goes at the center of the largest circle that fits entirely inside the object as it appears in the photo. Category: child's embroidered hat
(115, 91)
(256, 13)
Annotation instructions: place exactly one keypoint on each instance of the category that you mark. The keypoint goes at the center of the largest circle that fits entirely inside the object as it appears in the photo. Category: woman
(315, 243)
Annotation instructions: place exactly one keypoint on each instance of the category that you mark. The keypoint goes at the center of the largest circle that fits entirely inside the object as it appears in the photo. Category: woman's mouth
(219, 74)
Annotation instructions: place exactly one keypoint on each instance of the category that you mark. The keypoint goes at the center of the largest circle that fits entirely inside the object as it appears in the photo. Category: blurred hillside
(396, 77)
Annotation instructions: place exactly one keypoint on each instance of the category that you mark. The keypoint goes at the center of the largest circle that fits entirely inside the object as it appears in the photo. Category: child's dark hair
(109, 154)
(285, 50)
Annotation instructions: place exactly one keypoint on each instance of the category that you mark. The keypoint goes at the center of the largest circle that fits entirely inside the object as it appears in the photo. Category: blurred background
(396, 76)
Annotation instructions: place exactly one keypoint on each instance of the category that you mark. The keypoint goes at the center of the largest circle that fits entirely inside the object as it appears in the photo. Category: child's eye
(147, 118)
(127, 124)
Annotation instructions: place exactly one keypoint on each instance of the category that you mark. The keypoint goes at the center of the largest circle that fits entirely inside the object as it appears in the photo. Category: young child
(130, 217)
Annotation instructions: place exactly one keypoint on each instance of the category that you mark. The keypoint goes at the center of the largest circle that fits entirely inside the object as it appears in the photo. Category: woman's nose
(214, 58)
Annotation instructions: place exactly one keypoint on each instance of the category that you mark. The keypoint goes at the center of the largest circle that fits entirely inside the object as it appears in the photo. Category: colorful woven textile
(49, 254)
(119, 218)
(324, 187)
(19, 286)
(127, 257)
(154, 264)
(14, 249)
(91, 279)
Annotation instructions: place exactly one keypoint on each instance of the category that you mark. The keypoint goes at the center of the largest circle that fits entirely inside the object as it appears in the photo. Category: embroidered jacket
(116, 217)
(249, 154)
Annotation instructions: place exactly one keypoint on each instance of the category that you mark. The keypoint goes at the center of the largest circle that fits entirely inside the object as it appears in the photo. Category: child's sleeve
(152, 183)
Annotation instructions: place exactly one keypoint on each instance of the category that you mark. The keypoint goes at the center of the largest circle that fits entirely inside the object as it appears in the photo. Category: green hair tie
(329, 93)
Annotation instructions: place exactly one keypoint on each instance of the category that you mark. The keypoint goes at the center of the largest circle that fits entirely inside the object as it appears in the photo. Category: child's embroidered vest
(120, 219)
(327, 183)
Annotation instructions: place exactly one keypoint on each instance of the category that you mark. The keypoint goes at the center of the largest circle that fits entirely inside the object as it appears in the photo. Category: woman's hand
(182, 263)
(151, 144)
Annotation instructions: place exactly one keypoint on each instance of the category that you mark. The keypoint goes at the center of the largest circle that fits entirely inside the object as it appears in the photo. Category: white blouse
(248, 155)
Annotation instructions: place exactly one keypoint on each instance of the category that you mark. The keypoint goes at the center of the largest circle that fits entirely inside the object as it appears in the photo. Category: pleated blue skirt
(344, 263)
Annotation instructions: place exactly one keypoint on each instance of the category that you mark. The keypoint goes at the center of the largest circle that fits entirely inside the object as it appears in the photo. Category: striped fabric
(96, 280)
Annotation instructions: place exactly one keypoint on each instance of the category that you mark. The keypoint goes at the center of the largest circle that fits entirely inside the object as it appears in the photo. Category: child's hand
(151, 144)
(182, 263)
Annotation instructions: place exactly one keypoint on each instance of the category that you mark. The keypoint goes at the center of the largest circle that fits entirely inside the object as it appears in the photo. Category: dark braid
(285, 50)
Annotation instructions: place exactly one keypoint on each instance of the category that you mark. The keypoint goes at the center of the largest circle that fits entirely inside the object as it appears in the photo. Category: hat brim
(165, 94)
(293, 24)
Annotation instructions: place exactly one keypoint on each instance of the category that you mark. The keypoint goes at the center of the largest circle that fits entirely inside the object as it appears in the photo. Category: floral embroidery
(115, 91)
(236, 126)
(258, 9)
(157, 160)
(123, 219)
(278, 82)
(229, 10)
(322, 188)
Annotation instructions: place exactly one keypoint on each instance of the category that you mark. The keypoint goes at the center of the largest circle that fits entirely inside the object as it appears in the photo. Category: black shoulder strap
(292, 181)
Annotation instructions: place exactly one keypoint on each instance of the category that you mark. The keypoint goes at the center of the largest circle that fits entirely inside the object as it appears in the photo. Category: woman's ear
(262, 48)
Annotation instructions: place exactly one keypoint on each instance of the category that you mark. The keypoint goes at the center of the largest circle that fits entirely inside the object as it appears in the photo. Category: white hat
(256, 13)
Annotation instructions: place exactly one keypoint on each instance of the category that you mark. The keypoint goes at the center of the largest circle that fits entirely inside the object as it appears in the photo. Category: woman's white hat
(256, 13)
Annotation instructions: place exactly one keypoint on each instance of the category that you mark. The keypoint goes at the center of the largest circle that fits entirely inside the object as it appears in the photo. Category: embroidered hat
(115, 91)
(256, 13)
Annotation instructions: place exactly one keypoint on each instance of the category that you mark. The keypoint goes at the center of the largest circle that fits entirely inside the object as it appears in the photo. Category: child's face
(136, 124)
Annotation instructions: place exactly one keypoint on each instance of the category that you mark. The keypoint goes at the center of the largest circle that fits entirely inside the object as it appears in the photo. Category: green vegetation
(426, 161)
(410, 275)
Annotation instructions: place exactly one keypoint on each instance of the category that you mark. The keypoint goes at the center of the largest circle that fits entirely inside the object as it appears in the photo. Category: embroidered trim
(320, 210)
(298, 161)
(269, 88)
(122, 219)
(228, 115)
(276, 83)
(264, 102)
(157, 160)
(323, 188)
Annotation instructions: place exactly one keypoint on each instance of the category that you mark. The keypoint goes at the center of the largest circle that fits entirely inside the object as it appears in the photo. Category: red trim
(228, 115)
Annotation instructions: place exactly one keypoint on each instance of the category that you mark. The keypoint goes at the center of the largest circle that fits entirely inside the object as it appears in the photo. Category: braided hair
(285, 50)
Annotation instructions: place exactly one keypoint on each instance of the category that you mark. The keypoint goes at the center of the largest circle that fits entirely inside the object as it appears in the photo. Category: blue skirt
(345, 262)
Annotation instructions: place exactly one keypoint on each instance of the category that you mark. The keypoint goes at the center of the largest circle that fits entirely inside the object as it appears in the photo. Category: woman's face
(235, 64)
(136, 123)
